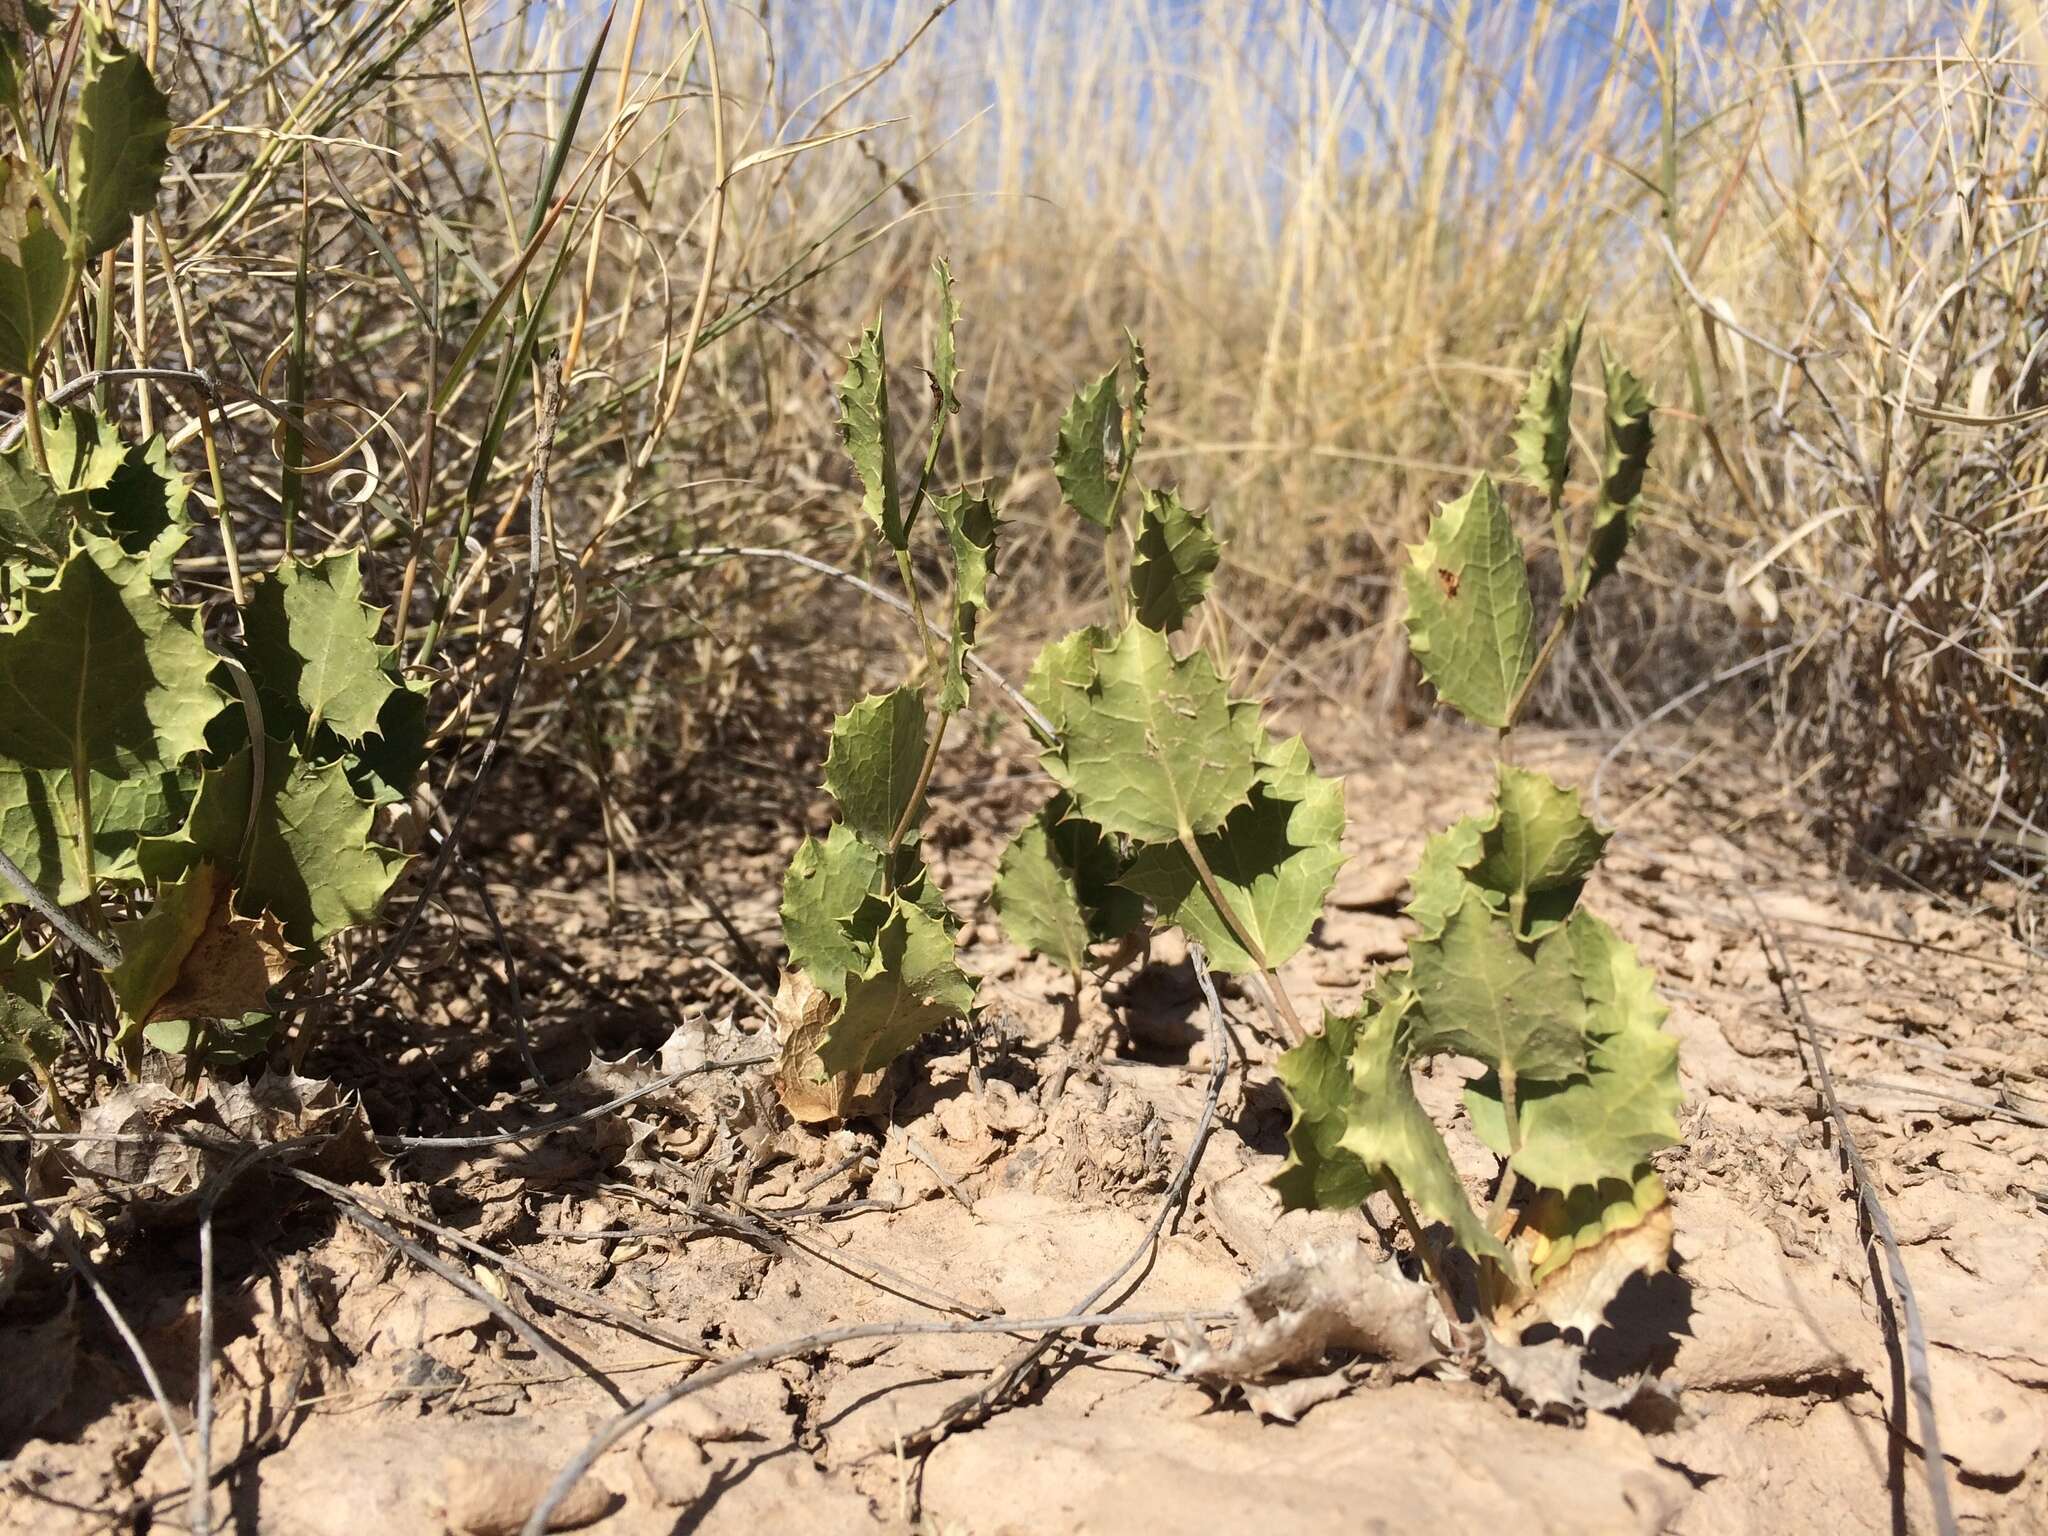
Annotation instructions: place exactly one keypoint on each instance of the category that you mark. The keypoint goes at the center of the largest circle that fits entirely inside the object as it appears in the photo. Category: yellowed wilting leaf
(230, 968)
(1580, 1248)
(191, 957)
(803, 1013)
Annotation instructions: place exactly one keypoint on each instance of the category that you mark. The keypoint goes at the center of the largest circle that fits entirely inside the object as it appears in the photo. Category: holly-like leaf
(1537, 849)
(1275, 857)
(385, 765)
(865, 431)
(1350, 1132)
(945, 361)
(1150, 749)
(1056, 890)
(39, 824)
(191, 959)
(119, 149)
(878, 746)
(309, 858)
(1599, 1125)
(1320, 1174)
(1482, 994)
(34, 525)
(34, 271)
(970, 523)
(85, 451)
(101, 674)
(313, 650)
(912, 984)
(1063, 673)
(214, 1042)
(1090, 449)
(141, 506)
(1580, 1248)
(1439, 883)
(1174, 559)
(1629, 437)
(29, 1037)
(1543, 426)
(1469, 614)
(832, 907)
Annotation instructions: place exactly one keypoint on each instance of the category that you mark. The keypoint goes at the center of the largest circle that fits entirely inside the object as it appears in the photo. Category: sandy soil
(356, 1390)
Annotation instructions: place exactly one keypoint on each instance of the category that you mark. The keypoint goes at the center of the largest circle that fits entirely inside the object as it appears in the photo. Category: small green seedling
(871, 939)
(1175, 806)
(1508, 969)
(198, 818)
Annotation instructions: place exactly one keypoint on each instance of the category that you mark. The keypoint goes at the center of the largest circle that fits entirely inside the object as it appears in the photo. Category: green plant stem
(1423, 1251)
(924, 779)
(103, 330)
(32, 413)
(1536, 667)
(1282, 1004)
(924, 628)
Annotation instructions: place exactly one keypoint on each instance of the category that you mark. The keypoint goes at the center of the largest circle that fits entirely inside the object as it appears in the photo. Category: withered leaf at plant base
(191, 958)
(813, 1096)
(1579, 1249)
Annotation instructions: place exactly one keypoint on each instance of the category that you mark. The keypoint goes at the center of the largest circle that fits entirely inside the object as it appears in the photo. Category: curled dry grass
(1341, 229)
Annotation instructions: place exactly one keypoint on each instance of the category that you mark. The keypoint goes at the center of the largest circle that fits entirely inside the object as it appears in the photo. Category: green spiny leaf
(1479, 994)
(1543, 426)
(34, 524)
(141, 506)
(1321, 1174)
(1537, 849)
(1276, 857)
(1063, 674)
(1056, 888)
(911, 985)
(85, 451)
(878, 746)
(1600, 1125)
(1573, 1224)
(29, 1037)
(1439, 883)
(101, 673)
(1174, 559)
(1372, 1126)
(1629, 437)
(1469, 615)
(1150, 750)
(864, 429)
(310, 860)
(970, 522)
(34, 271)
(313, 649)
(832, 905)
(1090, 447)
(384, 766)
(119, 149)
(39, 824)
(945, 362)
